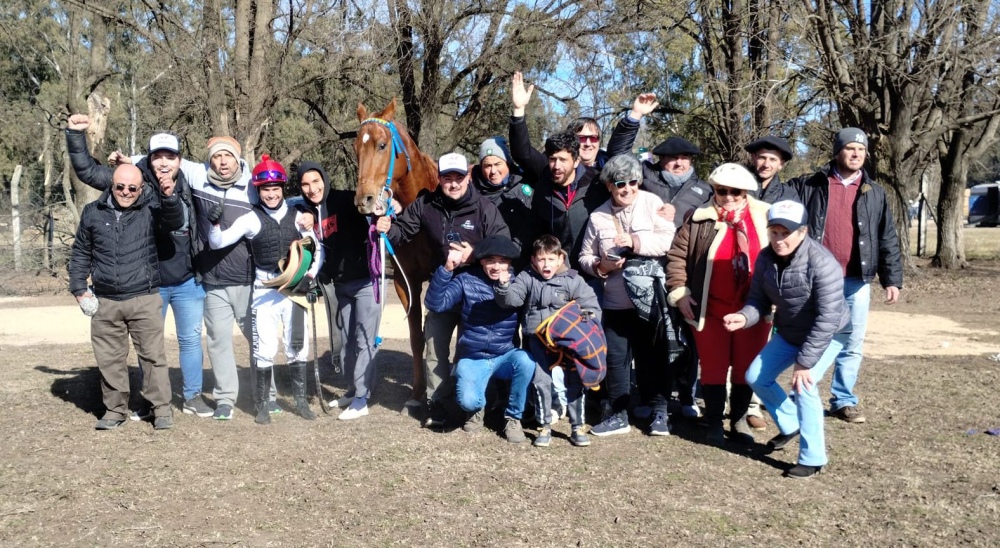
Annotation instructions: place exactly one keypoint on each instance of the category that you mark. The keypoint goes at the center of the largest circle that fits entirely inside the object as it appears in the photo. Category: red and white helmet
(269, 172)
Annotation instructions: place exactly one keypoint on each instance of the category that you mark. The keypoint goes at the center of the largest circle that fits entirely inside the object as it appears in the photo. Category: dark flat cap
(675, 146)
(497, 245)
(771, 143)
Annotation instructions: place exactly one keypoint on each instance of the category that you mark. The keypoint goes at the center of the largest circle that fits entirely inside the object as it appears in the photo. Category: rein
(376, 261)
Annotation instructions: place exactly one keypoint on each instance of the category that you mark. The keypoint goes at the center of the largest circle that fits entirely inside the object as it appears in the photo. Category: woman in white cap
(803, 281)
(709, 269)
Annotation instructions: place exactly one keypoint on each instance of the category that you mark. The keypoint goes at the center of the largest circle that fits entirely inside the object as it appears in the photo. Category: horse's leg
(414, 321)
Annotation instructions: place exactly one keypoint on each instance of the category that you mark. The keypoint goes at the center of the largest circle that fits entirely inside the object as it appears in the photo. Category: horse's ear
(362, 113)
(390, 110)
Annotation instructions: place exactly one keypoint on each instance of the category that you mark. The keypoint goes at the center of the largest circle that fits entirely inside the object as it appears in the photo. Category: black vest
(271, 244)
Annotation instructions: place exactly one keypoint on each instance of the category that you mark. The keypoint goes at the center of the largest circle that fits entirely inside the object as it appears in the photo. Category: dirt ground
(912, 475)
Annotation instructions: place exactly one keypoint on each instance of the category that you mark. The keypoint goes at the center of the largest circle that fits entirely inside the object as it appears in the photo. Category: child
(540, 292)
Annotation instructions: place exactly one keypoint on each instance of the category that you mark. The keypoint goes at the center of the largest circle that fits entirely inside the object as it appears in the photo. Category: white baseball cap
(453, 162)
(164, 141)
(787, 213)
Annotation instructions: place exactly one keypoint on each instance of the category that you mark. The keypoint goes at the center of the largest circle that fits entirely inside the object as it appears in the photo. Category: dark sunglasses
(132, 189)
(588, 138)
(621, 184)
(270, 175)
(725, 191)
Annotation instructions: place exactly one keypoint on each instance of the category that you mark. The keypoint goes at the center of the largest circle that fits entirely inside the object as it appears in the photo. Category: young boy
(485, 346)
(540, 292)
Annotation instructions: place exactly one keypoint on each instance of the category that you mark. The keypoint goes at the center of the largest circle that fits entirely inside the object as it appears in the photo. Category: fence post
(15, 214)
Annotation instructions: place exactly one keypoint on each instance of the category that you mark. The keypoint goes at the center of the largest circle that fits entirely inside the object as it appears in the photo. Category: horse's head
(376, 157)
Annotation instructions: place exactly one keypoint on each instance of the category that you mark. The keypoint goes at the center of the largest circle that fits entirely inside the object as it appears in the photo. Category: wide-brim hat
(294, 266)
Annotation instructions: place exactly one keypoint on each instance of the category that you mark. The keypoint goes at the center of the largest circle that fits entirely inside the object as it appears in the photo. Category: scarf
(226, 183)
(676, 180)
(742, 265)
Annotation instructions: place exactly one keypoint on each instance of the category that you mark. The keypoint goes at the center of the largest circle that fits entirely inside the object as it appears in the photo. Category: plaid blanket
(577, 340)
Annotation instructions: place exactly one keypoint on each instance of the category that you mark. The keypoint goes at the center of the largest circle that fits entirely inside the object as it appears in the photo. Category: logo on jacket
(698, 190)
(328, 227)
(527, 190)
(467, 225)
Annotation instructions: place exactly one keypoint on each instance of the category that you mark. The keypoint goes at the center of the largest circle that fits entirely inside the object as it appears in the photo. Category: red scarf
(742, 265)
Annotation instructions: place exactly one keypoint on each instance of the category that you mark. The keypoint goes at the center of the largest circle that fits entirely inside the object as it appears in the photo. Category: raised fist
(215, 214)
(78, 122)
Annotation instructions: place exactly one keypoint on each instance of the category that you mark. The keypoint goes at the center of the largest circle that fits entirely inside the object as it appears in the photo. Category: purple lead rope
(374, 261)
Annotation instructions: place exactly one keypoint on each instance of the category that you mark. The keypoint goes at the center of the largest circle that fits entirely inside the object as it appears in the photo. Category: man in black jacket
(674, 180)
(848, 214)
(453, 216)
(768, 156)
(115, 246)
(500, 181)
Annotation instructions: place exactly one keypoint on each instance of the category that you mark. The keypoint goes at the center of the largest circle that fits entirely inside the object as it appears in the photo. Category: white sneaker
(353, 413)
(342, 401)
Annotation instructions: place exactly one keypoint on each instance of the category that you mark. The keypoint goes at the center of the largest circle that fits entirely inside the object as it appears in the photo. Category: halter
(376, 261)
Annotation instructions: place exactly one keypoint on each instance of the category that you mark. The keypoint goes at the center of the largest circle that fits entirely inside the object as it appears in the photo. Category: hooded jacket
(486, 330)
(538, 298)
(470, 218)
(116, 247)
(177, 250)
(808, 294)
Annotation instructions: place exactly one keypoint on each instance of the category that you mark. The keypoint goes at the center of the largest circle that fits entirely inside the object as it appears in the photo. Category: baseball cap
(787, 213)
(164, 141)
(453, 162)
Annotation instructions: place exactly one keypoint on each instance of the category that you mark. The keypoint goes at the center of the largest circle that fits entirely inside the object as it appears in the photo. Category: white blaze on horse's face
(373, 148)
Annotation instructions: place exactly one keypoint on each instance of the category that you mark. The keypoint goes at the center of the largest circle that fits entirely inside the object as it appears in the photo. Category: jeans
(187, 300)
(848, 364)
(803, 413)
(473, 375)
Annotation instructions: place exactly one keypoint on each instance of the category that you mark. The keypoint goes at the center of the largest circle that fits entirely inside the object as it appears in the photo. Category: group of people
(734, 278)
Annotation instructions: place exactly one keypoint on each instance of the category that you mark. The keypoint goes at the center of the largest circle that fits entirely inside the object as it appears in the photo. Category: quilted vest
(271, 244)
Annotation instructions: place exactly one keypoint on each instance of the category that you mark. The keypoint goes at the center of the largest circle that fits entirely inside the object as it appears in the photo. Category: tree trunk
(954, 170)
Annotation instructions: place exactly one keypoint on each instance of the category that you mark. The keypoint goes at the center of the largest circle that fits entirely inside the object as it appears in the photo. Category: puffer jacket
(468, 219)
(486, 330)
(538, 298)
(116, 248)
(691, 195)
(878, 242)
(690, 259)
(808, 294)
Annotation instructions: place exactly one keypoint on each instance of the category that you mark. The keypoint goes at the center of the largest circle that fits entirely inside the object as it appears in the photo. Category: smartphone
(613, 257)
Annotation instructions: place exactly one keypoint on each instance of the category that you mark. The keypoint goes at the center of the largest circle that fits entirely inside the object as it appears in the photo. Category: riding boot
(739, 402)
(262, 383)
(297, 370)
(715, 408)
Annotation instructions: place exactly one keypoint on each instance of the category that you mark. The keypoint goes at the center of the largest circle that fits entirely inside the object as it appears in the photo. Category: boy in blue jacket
(485, 346)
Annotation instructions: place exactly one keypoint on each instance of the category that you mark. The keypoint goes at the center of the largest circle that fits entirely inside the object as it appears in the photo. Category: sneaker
(141, 414)
(342, 401)
(197, 406)
(475, 422)
(223, 412)
(849, 413)
(756, 423)
(690, 411)
(273, 407)
(435, 416)
(109, 424)
(513, 431)
(578, 438)
(357, 409)
(544, 437)
(780, 441)
(615, 424)
(660, 425)
(166, 422)
(802, 471)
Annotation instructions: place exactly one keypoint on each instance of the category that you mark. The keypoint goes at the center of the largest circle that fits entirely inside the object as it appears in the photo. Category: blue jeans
(187, 300)
(848, 364)
(473, 375)
(803, 413)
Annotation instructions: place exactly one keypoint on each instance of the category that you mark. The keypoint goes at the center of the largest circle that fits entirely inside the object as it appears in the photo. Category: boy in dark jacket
(485, 332)
(115, 246)
(540, 292)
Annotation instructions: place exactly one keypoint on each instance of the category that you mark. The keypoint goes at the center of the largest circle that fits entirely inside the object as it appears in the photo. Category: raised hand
(215, 214)
(454, 259)
(167, 183)
(117, 158)
(78, 122)
(519, 95)
(643, 105)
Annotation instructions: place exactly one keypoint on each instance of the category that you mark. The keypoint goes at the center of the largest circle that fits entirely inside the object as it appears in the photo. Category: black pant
(629, 336)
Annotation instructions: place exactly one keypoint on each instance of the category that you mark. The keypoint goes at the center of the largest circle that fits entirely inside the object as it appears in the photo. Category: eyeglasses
(621, 184)
(270, 175)
(725, 191)
(132, 189)
(588, 138)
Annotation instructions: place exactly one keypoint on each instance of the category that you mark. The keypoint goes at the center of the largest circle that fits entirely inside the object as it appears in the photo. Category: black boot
(715, 408)
(297, 370)
(263, 385)
(739, 402)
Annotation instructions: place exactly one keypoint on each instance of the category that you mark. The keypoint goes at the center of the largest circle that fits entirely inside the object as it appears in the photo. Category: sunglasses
(270, 175)
(588, 138)
(724, 191)
(132, 189)
(621, 184)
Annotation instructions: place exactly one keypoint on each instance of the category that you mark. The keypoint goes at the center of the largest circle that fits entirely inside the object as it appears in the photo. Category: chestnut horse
(411, 171)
